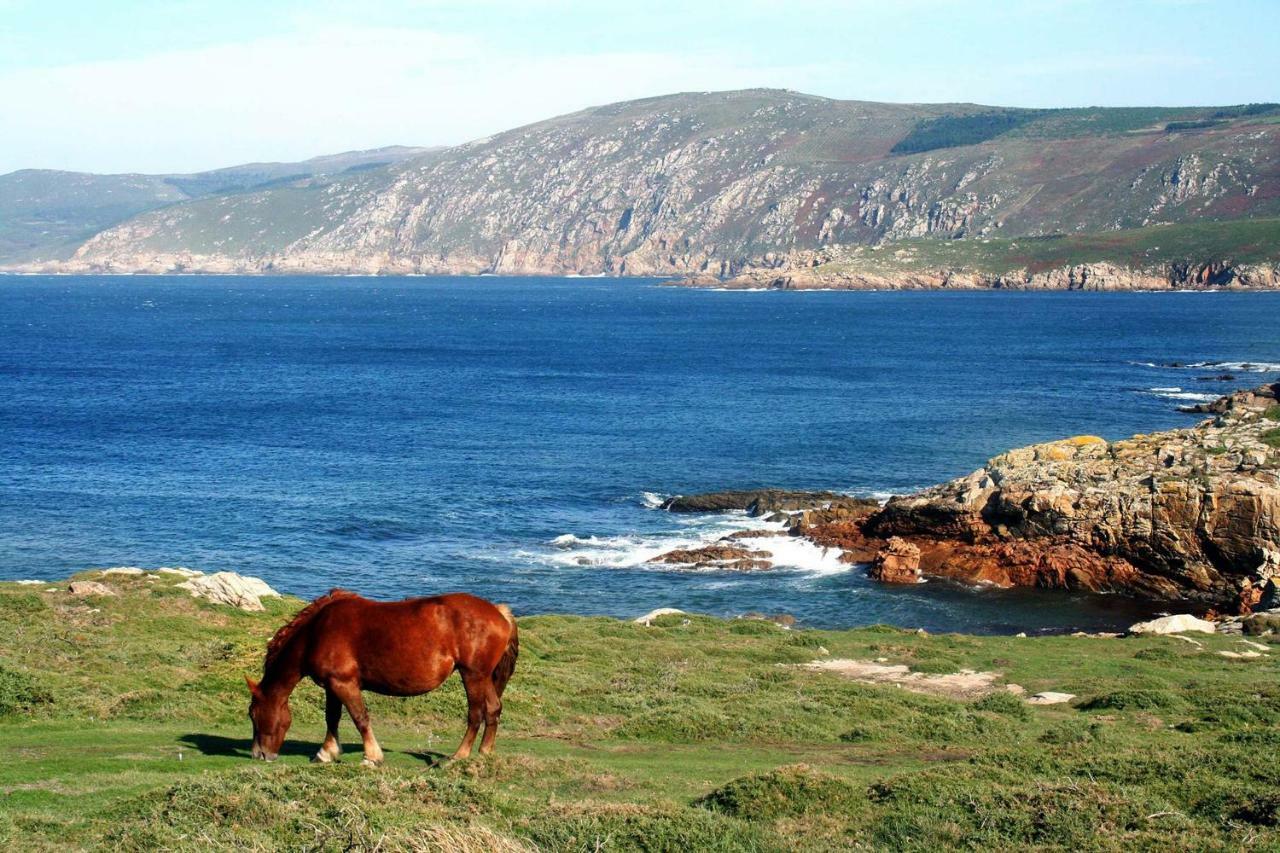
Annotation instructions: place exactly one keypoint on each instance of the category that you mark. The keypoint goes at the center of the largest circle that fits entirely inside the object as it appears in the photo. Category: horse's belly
(409, 679)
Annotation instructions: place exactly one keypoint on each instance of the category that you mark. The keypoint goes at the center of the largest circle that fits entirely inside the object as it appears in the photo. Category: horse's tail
(507, 665)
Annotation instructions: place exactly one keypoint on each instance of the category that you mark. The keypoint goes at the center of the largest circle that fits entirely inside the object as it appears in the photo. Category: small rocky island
(1190, 515)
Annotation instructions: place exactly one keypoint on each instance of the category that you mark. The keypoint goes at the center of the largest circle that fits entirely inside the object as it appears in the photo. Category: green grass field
(123, 722)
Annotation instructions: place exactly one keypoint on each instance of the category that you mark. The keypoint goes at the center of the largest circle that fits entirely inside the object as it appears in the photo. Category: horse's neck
(284, 673)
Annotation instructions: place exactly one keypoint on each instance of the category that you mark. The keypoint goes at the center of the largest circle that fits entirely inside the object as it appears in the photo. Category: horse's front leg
(349, 693)
(331, 748)
(475, 687)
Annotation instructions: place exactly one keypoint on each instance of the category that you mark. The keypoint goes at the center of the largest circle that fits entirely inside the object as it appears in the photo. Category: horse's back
(382, 640)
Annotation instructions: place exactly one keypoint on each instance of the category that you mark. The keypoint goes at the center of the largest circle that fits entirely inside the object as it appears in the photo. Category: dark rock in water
(1221, 377)
(717, 556)
(755, 534)
(759, 502)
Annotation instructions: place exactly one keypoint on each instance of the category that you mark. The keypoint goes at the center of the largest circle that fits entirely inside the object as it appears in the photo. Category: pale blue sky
(180, 85)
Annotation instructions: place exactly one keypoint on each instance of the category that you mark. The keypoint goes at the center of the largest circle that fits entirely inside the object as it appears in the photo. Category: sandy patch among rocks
(965, 684)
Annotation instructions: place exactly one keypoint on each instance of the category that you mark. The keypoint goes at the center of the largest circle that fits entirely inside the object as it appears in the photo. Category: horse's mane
(281, 638)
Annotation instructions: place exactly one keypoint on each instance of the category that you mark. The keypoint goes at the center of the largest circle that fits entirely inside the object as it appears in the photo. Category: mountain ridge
(715, 186)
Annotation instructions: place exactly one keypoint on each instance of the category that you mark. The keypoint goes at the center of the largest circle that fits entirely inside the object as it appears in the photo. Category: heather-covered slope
(722, 183)
(47, 214)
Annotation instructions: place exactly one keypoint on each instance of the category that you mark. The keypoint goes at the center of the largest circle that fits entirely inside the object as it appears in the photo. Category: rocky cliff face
(712, 184)
(1186, 514)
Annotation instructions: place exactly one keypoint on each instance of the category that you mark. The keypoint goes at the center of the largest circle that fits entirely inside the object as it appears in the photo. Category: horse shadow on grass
(236, 747)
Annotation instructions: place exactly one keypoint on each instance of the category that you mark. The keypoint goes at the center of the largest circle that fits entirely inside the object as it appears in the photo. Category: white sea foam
(635, 551)
(1237, 366)
(652, 500)
(1179, 394)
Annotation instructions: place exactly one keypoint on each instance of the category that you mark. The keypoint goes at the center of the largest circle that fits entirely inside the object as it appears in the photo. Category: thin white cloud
(319, 92)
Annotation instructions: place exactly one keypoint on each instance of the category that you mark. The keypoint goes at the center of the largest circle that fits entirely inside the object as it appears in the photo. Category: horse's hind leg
(349, 694)
(331, 748)
(475, 687)
(492, 712)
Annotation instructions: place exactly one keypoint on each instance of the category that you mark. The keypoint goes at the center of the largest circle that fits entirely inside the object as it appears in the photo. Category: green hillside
(123, 719)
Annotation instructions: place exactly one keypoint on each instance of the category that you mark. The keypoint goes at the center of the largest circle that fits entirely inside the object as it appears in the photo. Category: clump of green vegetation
(20, 693)
(1072, 732)
(22, 604)
(678, 723)
(784, 792)
(1198, 124)
(1131, 700)
(1246, 110)
(1160, 653)
(622, 826)
(1271, 437)
(1272, 413)
(950, 131)
(1004, 703)
(1261, 624)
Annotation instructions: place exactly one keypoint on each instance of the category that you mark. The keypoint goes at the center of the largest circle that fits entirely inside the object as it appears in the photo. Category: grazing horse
(346, 644)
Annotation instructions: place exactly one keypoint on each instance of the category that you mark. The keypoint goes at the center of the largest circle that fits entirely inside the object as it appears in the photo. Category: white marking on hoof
(369, 762)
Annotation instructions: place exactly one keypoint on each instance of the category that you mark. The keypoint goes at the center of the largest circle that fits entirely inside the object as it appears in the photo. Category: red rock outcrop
(897, 562)
(1187, 514)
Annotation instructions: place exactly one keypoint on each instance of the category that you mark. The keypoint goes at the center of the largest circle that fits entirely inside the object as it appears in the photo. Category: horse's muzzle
(262, 755)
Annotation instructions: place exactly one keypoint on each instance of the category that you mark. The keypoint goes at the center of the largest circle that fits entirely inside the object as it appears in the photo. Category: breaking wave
(635, 551)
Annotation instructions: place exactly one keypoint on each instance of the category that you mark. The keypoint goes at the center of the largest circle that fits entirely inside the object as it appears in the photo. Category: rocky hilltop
(764, 186)
(46, 215)
(1185, 515)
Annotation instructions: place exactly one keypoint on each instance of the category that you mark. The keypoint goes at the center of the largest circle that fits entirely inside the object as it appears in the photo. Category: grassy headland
(123, 721)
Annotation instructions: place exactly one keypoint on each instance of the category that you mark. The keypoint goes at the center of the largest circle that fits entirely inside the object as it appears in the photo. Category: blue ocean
(513, 437)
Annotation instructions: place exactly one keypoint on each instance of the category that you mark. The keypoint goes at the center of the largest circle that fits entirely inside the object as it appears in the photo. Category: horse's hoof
(322, 758)
(368, 762)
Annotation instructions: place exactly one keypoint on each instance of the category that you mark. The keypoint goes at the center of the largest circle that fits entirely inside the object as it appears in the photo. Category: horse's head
(271, 718)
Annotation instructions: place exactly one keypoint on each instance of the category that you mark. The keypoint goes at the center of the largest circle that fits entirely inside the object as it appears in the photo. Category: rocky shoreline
(1188, 515)
(1101, 276)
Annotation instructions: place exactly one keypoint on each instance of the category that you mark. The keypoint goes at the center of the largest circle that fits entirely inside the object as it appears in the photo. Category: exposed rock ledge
(1091, 276)
(1189, 514)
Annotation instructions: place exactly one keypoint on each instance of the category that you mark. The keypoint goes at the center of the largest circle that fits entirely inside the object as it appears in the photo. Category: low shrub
(785, 792)
(678, 724)
(1131, 700)
(1159, 653)
(1004, 703)
(1072, 732)
(624, 826)
(20, 693)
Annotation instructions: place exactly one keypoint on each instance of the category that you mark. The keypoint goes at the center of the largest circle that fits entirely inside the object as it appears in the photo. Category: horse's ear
(253, 685)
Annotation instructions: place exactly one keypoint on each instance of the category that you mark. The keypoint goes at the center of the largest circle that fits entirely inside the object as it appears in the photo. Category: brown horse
(346, 644)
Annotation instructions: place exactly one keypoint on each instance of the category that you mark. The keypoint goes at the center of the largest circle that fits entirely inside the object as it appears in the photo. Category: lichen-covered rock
(89, 588)
(1182, 623)
(1191, 513)
(231, 589)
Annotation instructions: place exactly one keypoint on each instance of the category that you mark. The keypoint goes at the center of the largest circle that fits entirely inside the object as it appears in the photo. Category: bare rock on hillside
(231, 589)
(90, 588)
